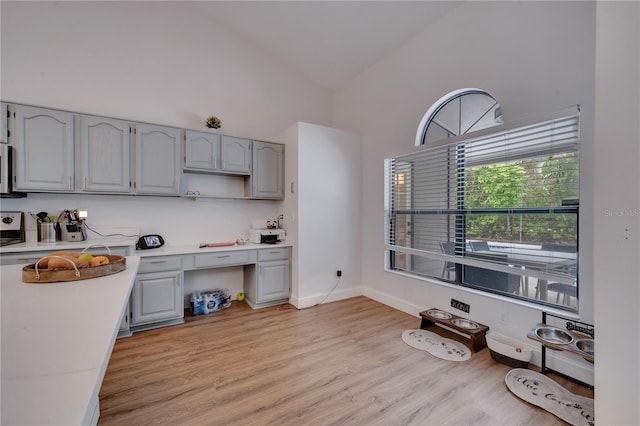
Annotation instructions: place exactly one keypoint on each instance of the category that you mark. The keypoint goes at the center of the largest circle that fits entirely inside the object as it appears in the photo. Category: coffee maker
(73, 228)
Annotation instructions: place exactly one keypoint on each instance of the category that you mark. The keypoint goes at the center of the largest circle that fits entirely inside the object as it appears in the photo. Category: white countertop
(65, 245)
(192, 247)
(172, 247)
(57, 339)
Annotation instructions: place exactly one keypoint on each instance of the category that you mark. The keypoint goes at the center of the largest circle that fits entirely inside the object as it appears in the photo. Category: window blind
(505, 201)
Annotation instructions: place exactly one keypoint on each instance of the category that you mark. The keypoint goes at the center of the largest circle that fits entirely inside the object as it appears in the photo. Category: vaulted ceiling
(330, 42)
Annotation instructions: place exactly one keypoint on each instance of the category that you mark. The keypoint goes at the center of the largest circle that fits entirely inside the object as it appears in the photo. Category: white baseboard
(316, 299)
(394, 302)
(569, 364)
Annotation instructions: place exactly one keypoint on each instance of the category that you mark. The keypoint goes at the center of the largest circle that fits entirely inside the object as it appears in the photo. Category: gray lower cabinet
(268, 282)
(124, 330)
(156, 299)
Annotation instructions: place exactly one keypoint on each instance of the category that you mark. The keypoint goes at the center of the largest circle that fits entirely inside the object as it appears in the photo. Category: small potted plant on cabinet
(213, 122)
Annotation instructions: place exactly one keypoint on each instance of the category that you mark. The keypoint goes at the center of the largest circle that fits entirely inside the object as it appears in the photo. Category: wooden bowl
(33, 274)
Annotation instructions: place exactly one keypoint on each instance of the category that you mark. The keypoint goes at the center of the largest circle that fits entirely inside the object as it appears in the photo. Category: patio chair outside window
(449, 249)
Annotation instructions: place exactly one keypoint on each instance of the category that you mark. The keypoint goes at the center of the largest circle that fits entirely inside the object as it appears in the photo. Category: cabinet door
(273, 281)
(201, 150)
(268, 170)
(124, 323)
(158, 161)
(4, 129)
(104, 153)
(43, 139)
(157, 297)
(235, 155)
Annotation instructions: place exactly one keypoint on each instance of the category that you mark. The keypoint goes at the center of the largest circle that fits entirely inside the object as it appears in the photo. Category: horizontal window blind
(505, 201)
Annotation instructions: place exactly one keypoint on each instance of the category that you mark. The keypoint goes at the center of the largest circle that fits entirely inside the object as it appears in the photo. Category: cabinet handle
(274, 252)
(222, 257)
(84, 183)
(158, 262)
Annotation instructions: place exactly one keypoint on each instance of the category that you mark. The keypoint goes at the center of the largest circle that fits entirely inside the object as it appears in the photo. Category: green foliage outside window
(530, 183)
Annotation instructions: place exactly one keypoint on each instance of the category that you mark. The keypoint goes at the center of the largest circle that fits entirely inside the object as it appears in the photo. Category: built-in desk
(157, 299)
(267, 270)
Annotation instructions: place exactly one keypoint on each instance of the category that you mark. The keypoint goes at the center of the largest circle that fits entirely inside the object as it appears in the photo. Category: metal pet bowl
(435, 313)
(586, 346)
(465, 323)
(554, 335)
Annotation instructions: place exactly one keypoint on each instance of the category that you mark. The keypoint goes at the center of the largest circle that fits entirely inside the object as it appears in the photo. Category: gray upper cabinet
(201, 151)
(64, 151)
(158, 160)
(104, 152)
(44, 142)
(235, 155)
(267, 180)
(4, 121)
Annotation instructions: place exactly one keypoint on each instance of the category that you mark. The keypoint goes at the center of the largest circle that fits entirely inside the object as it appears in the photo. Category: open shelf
(215, 197)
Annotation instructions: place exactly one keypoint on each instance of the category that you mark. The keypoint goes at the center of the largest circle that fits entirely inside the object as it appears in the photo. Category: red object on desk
(223, 244)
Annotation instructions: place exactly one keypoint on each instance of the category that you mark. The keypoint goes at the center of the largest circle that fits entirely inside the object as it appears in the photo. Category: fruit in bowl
(65, 262)
(69, 259)
(86, 256)
(99, 261)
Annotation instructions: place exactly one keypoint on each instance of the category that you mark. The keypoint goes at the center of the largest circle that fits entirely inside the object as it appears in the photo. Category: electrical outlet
(504, 318)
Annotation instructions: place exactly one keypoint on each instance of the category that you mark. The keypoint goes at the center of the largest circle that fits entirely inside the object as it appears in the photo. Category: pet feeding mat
(547, 394)
(436, 345)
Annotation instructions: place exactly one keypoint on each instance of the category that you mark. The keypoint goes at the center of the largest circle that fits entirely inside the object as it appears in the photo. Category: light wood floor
(338, 363)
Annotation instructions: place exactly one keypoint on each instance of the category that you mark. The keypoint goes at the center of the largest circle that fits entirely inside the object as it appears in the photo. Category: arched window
(457, 113)
(493, 210)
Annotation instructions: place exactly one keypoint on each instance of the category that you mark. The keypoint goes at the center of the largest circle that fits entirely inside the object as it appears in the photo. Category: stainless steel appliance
(6, 173)
(74, 229)
(11, 228)
(48, 232)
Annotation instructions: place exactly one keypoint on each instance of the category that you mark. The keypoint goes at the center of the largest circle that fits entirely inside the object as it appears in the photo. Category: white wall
(534, 57)
(323, 212)
(617, 213)
(159, 62)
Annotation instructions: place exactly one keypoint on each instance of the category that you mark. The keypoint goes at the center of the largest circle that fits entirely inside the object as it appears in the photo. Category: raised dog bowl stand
(475, 331)
(579, 333)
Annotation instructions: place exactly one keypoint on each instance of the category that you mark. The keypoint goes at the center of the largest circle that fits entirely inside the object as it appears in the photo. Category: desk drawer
(159, 264)
(225, 258)
(273, 254)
